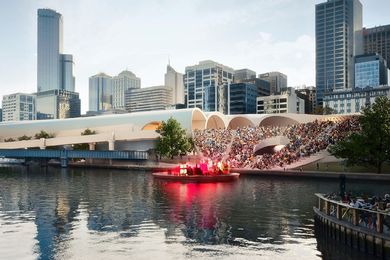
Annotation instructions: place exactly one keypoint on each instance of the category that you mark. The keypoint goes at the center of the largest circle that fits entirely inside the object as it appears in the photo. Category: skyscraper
(202, 82)
(55, 80)
(124, 81)
(277, 81)
(244, 74)
(49, 49)
(18, 107)
(339, 39)
(100, 92)
(377, 40)
(175, 81)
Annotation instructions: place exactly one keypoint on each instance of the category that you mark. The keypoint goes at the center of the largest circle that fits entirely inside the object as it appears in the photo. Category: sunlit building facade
(100, 92)
(18, 107)
(287, 102)
(58, 104)
(202, 82)
(370, 71)
(339, 38)
(124, 81)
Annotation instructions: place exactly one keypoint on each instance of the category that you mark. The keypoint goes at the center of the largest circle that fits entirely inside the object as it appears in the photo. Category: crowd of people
(237, 146)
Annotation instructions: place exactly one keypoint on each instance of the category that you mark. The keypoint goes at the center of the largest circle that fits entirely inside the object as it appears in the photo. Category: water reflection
(76, 213)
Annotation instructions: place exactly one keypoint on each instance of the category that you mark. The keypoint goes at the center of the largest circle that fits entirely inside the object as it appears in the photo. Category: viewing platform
(366, 230)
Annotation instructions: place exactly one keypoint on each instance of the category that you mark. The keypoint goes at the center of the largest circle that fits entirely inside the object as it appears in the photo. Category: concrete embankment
(316, 174)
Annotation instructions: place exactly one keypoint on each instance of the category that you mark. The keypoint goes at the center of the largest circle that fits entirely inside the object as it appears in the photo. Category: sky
(141, 36)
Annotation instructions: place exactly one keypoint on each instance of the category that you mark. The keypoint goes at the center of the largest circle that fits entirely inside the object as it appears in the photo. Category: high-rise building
(244, 74)
(370, 71)
(201, 84)
(54, 69)
(58, 104)
(100, 92)
(175, 81)
(168, 96)
(377, 40)
(354, 100)
(50, 49)
(148, 99)
(68, 80)
(263, 86)
(339, 38)
(309, 95)
(241, 98)
(1, 114)
(286, 102)
(277, 81)
(18, 107)
(124, 81)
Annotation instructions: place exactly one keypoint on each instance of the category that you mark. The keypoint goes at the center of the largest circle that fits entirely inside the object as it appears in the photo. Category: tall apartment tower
(202, 84)
(174, 80)
(100, 92)
(124, 81)
(56, 98)
(377, 40)
(277, 81)
(18, 107)
(339, 38)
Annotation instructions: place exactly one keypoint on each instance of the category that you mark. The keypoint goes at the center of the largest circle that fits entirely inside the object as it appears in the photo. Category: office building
(54, 68)
(148, 99)
(339, 38)
(100, 92)
(18, 107)
(201, 81)
(377, 40)
(277, 81)
(308, 94)
(1, 115)
(174, 80)
(286, 102)
(241, 98)
(57, 104)
(263, 86)
(124, 81)
(370, 71)
(354, 100)
(244, 74)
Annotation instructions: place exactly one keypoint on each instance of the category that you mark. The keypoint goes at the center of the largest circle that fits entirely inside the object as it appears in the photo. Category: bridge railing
(30, 153)
(374, 220)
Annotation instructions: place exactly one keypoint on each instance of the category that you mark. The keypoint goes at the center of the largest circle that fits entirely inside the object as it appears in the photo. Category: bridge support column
(42, 143)
(64, 162)
(92, 146)
(111, 145)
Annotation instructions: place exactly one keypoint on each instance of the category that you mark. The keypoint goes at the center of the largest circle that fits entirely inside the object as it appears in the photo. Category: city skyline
(104, 38)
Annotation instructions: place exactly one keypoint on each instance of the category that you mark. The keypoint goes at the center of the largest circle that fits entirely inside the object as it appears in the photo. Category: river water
(52, 213)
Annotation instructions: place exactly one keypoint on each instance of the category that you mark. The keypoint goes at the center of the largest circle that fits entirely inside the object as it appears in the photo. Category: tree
(9, 140)
(88, 132)
(24, 137)
(84, 146)
(173, 140)
(43, 134)
(372, 145)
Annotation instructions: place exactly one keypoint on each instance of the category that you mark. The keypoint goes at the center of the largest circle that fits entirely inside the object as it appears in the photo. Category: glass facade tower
(100, 92)
(201, 83)
(377, 40)
(49, 50)
(339, 38)
(370, 71)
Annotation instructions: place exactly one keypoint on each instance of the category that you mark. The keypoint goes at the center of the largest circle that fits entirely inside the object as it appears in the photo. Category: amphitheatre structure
(135, 131)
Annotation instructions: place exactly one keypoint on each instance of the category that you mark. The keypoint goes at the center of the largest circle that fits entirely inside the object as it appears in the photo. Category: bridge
(65, 155)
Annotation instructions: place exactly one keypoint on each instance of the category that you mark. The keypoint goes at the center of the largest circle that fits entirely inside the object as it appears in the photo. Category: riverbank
(163, 166)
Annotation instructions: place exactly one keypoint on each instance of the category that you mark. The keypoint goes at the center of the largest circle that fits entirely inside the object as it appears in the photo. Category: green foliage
(43, 134)
(88, 132)
(173, 140)
(9, 140)
(372, 145)
(84, 146)
(24, 137)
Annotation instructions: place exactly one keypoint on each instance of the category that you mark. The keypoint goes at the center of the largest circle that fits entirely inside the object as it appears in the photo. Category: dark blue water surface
(52, 213)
